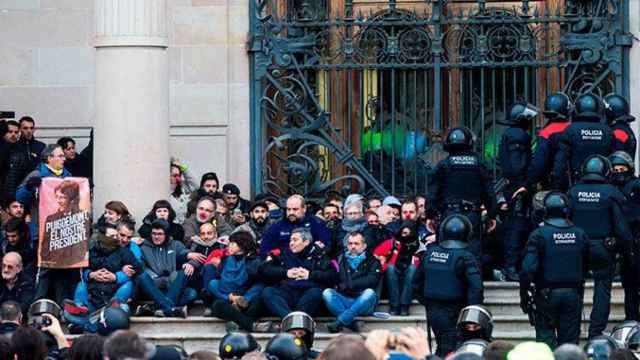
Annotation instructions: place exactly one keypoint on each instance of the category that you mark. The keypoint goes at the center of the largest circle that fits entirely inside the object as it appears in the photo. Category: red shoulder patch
(621, 135)
(553, 128)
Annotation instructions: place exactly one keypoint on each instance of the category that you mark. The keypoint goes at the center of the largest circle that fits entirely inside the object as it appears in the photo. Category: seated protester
(331, 216)
(101, 284)
(205, 212)
(353, 221)
(278, 235)
(209, 186)
(182, 185)
(10, 318)
(114, 212)
(161, 210)
(299, 272)
(359, 275)
(258, 221)
(168, 265)
(235, 286)
(273, 206)
(15, 285)
(11, 208)
(236, 205)
(17, 240)
(399, 276)
(209, 245)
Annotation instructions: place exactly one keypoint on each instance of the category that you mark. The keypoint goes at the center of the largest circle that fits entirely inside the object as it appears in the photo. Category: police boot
(404, 310)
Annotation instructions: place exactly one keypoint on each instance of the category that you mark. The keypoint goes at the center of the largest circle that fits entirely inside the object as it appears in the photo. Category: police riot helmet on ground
(588, 107)
(621, 333)
(235, 344)
(616, 108)
(475, 322)
(556, 209)
(596, 168)
(521, 114)
(600, 347)
(459, 139)
(633, 340)
(285, 346)
(558, 106)
(299, 320)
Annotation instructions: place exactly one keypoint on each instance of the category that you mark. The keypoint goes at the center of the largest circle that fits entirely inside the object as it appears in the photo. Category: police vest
(515, 153)
(562, 263)
(441, 280)
(591, 207)
(462, 178)
(588, 138)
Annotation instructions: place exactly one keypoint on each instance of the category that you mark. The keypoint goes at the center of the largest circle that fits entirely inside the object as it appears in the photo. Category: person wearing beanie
(231, 196)
(168, 266)
(209, 185)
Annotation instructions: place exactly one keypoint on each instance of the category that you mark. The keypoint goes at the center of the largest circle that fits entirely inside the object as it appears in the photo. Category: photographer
(29, 343)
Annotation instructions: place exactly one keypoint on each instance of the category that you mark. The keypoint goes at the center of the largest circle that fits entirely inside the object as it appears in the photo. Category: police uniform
(461, 184)
(597, 208)
(450, 279)
(618, 116)
(514, 156)
(587, 135)
(556, 261)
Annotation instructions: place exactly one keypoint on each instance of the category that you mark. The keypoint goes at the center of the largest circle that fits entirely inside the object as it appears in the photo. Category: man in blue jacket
(277, 235)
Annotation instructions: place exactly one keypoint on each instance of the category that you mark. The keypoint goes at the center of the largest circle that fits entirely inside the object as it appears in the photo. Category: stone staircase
(204, 333)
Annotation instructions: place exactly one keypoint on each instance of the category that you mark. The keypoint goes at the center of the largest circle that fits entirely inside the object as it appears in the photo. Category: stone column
(131, 137)
(634, 72)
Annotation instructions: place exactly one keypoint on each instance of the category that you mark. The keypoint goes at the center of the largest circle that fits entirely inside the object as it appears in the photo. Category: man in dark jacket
(300, 272)
(16, 165)
(355, 295)
(15, 286)
(31, 147)
(209, 186)
(277, 235)
(258, 222)
(168, 264)
(75, 162)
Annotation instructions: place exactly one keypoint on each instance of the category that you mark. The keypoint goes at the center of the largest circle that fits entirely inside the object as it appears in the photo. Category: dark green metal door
(357, 96)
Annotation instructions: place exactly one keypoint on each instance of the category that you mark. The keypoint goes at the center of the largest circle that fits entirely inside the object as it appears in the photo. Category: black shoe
(334, 327)
(404, 310)
(355, 326)
(394, 311)
(144, 310)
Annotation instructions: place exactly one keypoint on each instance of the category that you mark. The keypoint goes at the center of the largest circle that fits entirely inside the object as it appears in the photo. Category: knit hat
(208, 176)
(230, 189)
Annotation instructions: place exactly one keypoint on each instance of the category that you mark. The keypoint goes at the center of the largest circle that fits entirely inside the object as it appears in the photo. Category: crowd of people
(564, 210)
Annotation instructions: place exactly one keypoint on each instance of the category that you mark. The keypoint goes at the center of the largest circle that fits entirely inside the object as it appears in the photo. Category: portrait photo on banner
(65, 223)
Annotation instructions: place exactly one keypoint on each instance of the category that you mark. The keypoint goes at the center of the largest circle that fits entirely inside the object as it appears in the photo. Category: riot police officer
(450, 280)
(285, 346)
(618, 117)
(514, 156)
(557, 110)
(461, 184)
(235, 344)
(587, 135)
(556, 260)
(301, 325)
(475, 322)
(597, 209)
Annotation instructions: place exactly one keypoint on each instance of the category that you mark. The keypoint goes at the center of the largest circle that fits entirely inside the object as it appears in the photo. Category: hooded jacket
(161, 262)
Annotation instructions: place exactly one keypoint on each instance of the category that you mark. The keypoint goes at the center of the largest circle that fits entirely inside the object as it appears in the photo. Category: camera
(38, 309)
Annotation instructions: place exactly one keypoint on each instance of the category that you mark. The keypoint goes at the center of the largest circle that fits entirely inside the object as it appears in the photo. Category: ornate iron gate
(357, 95)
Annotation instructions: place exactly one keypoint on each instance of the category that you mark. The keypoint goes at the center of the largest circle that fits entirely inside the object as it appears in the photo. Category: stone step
(499, 290)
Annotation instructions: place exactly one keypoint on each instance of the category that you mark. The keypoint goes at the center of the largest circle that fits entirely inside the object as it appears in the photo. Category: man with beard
(209, 185)
(233, 200)
(28, 143)
(16, 164)
(258, 221)
(15, 285)
(277, 235)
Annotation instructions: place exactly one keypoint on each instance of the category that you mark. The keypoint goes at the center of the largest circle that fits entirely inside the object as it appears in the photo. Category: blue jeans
(177, 294)
(122, 295)
(250, 294)
(400, 285)
(346, 309)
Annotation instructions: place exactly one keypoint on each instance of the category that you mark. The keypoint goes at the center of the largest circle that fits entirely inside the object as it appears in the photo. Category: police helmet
(633, 340)
(616, 108)
(456, 227)
(111, 319)
(521, 113)
(475, 346)
(620, 333)
(621, 158)
(299, 320)
(235, 344)
(558, 106)
(285, 346)
(596, 167)
(38, 308)
(476, 315)
(459, 139)
(556, 209)
(600, 347)
(588, 107)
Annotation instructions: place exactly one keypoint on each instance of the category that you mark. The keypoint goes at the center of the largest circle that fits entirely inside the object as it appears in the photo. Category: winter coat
(321, 272)
(161, 262)
(277, 235)
(353, 282)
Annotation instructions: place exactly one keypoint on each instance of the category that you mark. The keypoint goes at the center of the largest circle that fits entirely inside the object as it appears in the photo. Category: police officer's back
(586, 136)
(556, 260)
(618, 116)
(597, 208)
(449, 280)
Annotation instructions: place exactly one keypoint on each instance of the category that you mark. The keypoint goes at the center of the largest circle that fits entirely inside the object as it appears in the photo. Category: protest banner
(65, 223)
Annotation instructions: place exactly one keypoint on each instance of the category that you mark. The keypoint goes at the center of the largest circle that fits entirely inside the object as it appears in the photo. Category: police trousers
(630, 274)
(558, 316)
(442, 317)
(603, 266)
(517, 228)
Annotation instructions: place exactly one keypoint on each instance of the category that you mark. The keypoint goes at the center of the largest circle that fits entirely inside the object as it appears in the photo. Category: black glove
(33, 182)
